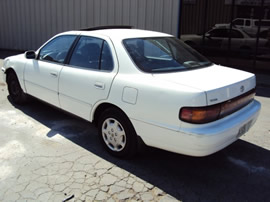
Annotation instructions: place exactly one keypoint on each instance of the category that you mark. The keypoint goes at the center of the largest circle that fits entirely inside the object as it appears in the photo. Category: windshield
(164, 54)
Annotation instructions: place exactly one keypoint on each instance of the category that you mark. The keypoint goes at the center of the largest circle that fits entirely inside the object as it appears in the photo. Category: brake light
(200, 115)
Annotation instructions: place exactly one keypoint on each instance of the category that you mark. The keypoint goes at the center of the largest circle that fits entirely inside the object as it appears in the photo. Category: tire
(15, 91)
(117, 134)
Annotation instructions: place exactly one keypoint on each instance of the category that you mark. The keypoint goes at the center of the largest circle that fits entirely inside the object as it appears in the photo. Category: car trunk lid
(219, 83)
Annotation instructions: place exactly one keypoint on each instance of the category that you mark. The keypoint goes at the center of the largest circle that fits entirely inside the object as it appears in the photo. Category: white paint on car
(151, 100)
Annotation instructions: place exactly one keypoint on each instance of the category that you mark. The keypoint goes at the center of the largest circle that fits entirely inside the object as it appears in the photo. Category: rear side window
(222, 33)
(92, 53)
(56, 50)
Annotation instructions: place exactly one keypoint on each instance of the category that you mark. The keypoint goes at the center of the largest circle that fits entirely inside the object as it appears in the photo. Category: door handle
(54, 74)
(99, 85)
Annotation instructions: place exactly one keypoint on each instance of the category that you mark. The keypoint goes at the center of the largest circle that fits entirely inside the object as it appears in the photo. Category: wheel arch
(12, 80)
(7, 71)
(13, 70)
(101, 108)
(140, 145)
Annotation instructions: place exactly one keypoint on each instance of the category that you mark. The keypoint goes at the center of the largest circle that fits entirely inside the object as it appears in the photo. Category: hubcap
(113, 134)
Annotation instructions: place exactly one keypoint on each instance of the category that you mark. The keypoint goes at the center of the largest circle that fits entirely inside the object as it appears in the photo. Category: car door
(88, 76)
(237, 40)
(42, 74)
(214, 39)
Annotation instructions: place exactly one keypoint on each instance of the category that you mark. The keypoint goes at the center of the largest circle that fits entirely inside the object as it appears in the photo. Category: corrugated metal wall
(26, 24)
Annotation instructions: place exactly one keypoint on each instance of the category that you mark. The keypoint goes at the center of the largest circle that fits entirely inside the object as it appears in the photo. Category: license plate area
(244, 129)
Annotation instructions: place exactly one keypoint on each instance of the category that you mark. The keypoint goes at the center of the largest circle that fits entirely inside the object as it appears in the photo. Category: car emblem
(242, 88)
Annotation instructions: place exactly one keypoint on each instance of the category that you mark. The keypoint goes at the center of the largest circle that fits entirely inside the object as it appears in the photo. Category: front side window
(164, 54)
(92, 53)
(56, 50)
(238, 22)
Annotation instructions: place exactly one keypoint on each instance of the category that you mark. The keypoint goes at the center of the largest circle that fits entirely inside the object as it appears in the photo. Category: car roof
(121, 33)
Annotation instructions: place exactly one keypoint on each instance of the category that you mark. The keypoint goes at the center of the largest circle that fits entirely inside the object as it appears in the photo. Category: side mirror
(30, 54)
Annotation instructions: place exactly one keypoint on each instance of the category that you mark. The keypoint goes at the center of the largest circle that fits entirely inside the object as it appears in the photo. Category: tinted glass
(87, 53)
(106, 58)
(236, 34)
(238, 22)
(166, 54)
(57, 49)
(223, 33)
(247, 22)
(151, 51)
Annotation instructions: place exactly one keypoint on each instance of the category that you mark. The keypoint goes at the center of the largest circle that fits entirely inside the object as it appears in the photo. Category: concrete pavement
(46, 158)
(47, 155)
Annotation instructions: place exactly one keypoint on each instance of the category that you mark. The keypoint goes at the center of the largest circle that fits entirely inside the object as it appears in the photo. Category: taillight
(199, 115)
(237, 103)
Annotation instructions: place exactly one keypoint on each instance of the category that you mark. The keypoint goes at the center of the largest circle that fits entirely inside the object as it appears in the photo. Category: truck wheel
(117, 133)
(15, 91)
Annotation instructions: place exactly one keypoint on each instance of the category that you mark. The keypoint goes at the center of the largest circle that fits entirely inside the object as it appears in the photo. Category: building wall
(27, 24)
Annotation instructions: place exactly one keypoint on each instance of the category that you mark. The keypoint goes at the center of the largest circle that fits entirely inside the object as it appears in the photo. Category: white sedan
(217, 39)
(138, 86)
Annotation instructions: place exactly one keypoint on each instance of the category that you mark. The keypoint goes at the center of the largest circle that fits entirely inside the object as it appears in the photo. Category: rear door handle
(54, 74)
(100, 85)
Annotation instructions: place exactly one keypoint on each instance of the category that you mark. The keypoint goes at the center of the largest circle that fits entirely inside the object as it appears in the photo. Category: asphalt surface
(48, 155)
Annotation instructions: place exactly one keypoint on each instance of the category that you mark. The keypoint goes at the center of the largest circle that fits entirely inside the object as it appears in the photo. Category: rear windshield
(164, 54)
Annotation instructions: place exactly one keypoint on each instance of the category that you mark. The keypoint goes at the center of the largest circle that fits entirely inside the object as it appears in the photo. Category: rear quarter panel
(157, 102)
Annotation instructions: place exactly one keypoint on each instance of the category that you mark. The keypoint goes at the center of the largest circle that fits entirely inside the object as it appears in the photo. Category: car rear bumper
(200, 139)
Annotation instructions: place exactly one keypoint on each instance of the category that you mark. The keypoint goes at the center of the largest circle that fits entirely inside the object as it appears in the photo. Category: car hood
(15, 56)
(218, 82)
